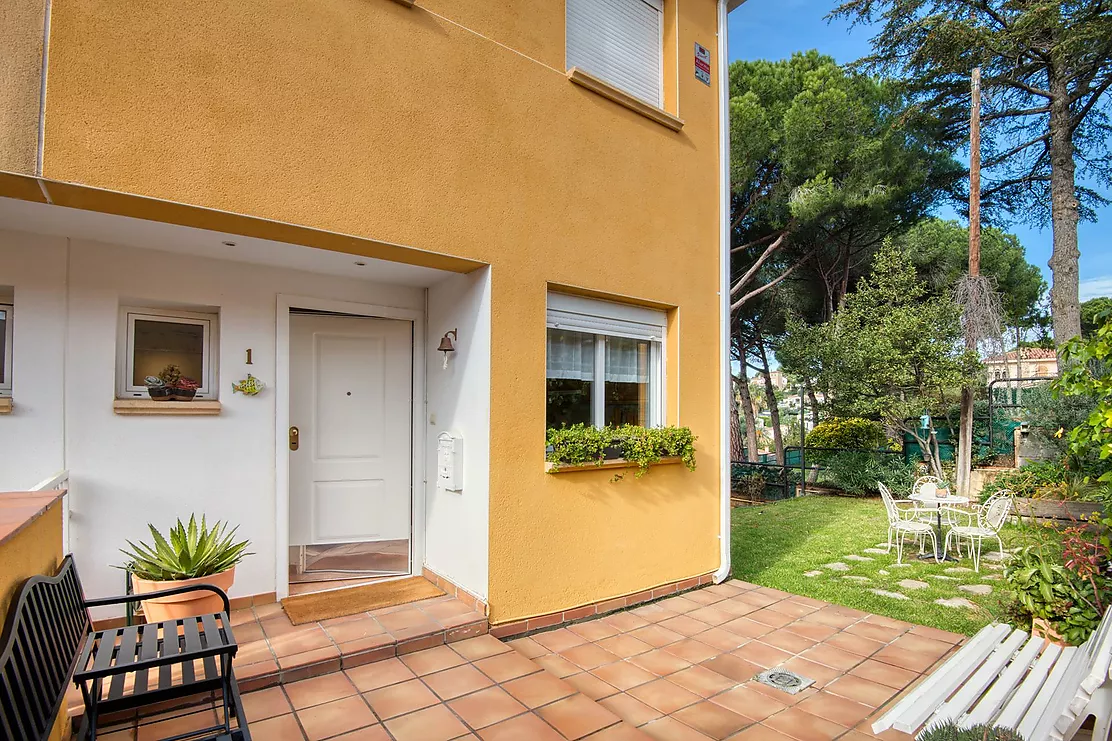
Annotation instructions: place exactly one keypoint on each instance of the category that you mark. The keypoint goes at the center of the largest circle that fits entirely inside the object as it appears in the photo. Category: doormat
(309, 608)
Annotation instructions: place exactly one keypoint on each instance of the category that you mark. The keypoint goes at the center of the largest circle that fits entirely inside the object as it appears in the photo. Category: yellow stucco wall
(450, 128)
(36, 550)
(21, 38)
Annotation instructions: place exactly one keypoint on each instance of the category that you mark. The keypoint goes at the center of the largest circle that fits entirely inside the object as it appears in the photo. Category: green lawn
(774, 544)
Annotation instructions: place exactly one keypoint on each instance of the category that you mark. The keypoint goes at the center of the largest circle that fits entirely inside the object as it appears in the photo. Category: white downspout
(724, 283)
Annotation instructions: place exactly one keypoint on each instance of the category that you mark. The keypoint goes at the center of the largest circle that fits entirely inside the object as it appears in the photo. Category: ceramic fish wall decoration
(249, 386)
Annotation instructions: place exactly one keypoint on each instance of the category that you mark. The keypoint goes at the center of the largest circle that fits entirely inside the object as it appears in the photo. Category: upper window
(155, 338)
(5, 349)
(604, 363)
(621, 42)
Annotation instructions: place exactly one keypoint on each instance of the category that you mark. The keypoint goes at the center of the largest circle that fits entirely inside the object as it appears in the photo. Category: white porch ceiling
(59, 221)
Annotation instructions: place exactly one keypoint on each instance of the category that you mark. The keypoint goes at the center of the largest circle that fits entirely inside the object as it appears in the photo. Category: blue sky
(774, 29)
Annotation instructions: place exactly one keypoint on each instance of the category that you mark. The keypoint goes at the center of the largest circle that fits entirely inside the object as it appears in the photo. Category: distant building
(779, 380)
(1031, 362)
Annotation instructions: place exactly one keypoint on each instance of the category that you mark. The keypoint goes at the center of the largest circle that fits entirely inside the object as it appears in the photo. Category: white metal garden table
(937, 502)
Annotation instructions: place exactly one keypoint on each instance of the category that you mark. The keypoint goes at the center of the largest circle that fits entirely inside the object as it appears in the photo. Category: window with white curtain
(604, 363)
(620, 42)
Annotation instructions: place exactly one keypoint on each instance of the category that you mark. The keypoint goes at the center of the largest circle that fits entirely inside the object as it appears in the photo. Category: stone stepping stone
(961, 602)
(958, 570)
(913, 584)
(836, 566)
(981, 589)
(941, 577)
(857, 578)
(882, 572)
(855, 557)
(875, 551)
(994, 556)
(890, 595)
(812, 574)
(881, 545)
(991, 577)
(900, 566)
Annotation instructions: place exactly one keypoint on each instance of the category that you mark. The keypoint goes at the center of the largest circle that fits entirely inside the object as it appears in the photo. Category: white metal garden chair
(903, 521)
(990, 517)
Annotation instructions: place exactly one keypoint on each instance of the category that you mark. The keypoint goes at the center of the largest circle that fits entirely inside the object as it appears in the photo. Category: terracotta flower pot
(189, 604)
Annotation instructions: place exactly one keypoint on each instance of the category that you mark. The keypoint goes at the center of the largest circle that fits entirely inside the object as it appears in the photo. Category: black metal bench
(48, 636)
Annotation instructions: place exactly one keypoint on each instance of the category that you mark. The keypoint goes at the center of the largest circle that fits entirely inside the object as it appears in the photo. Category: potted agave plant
(188, 554)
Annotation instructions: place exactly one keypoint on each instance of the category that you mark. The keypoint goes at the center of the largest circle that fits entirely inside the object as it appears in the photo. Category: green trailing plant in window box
(582, 445)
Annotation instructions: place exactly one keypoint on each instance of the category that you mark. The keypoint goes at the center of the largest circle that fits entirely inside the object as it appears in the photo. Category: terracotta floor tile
(378, 674)
(837, 709)
(762, 654)
(770, 617)
(431, 724)
(630, 709)
(831, 656)
(522, 727)
(656, 636)
(625, 646)
(248, 633)
(278, 728)
(370, 733)
(319, 690)
(758, 733)
(669, 729)
(660, 662)
(432, 660)
(722, 640)
(737, 608)
(624, 675)
(702, 681)
(334, 718)
(792, 608)
(785, 640)
(591, 686)
(179, 723)
(362, 627)
(397, 699)
(905, 658)
(664, 696)
(481, 647)
(711, 615)
(920, 644)
(713, 720)
(556, 665)
(407, 618)
(734, 668)
(815, 631)
(692, 650)
(829, 617)
(264, 704)
(486, 707)
(680, 603)
(507, 666)
(527, 647)
(874, 632)
(706, 596)
(804, 726)
(821, 673)
(655, 613)
(625, 621)
(288, 644)
(308, 658)
(938, 635)
(448, 608)
(577, 716)
(538, 689)
(685, 625)
(747, 628)
(457, 681)
(855, 644)
(859, 689)
(559, 640)
(594, 630)
(589, 656)
(886, 674)
(621, 732)
(749, 702)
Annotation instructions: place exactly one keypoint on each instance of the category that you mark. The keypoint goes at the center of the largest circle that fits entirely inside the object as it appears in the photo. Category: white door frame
(282, 424)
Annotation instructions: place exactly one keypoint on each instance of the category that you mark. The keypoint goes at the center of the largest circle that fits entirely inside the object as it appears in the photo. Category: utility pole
(965, 426)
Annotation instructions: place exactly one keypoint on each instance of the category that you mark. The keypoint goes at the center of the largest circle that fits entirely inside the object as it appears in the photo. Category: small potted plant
(186, 555)
(171, 385)
(156, 389)
(185, 389)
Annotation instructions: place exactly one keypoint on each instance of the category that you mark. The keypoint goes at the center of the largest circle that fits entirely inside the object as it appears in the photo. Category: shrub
(1045, 480)
(949, 731)
(857, 472)
(1046, 413)
(583, 445)
(850, 433)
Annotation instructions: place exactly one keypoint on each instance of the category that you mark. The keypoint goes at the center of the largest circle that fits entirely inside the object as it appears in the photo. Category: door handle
(294, 434)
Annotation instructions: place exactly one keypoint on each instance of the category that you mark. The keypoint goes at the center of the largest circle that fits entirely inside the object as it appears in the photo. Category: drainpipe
(724, 284)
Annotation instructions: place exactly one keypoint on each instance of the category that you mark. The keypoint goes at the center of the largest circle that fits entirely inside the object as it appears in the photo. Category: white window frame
(125, 356)
(659, 7)
(610, 319)
(6, 385)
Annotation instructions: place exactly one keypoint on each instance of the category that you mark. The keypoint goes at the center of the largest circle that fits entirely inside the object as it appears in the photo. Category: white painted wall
(457, 531)
(128, 470)
(31, 436)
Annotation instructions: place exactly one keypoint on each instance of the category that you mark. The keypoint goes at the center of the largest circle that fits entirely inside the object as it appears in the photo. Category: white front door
(351, 402)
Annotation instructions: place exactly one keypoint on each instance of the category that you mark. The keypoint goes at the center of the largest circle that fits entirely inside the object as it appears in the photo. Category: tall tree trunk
(1065, 306)
(964, 454)
(750, 416)
(737, 439)
(770, 396)
(814, 401)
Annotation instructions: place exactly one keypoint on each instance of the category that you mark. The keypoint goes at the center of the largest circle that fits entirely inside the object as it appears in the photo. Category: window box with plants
(186, 555)
(582, 447)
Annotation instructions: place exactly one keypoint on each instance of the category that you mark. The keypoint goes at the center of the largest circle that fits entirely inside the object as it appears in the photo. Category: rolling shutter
(618, 41)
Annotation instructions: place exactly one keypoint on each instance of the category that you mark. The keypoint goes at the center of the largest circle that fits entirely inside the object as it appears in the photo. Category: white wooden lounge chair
(902, 521)
(1002, 677)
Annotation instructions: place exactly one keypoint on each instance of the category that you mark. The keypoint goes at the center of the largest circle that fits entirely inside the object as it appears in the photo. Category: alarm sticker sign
(702, 63)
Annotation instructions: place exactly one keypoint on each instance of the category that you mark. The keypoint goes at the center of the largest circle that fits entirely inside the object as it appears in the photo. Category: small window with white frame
(621, 42)
(152, 339)
(6, 333)
(604, 363)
